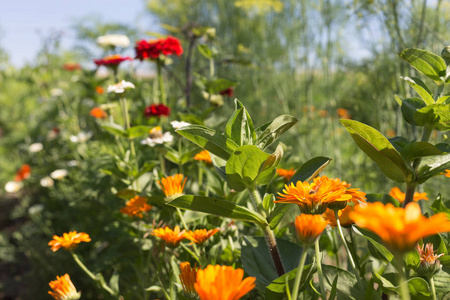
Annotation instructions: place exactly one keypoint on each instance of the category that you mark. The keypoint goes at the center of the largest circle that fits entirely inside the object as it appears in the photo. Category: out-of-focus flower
(172, 238)
(286, 174)
(227, 92)
(23, 173)
(35, 147)
(156, 110)
(343, 214)
(59, 174)
(135, 207)
(120, 87)
(429, 262)
(179, 124)
(172, 186)
(222, 282)
(390, 133)
(71, 66)
(81, 137)
(55, 92)
(157, 137)
(343, 113)
(399, 228)
(99, 90)
(13, 186)
(205, 156)
(63, 288)
(214, 99)
(400, 196)
(322, 113)
(53, 134)
(309, 227)
(113, 40)
(200, 236)
(154, 48)
(111, 60)
(73, 163)
(47, 181)
(447, 173)
(68, 241)
(98, 113)
(188, 276)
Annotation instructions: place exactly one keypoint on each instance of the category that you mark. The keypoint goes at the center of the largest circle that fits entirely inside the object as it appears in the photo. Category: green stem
(323, 291)
(298, 276)
(182, 219)
(404, 291)
(162, 92)
(433, 288)
(163, 164)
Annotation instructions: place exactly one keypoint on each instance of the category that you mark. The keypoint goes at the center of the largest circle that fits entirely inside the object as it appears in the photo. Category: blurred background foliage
(294, 57)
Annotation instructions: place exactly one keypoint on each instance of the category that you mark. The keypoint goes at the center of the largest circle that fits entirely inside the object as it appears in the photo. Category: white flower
(59, 174)
(56, 92)
(47, 181)
(115, 40)
(179, 124)
(36, 147)
(157, 137)
(81, 137)
(73, 163)
(13, 186)
(215, 99)
(120, 87)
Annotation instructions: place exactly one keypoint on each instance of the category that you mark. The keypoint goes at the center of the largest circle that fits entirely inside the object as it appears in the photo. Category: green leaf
(277, 289)
(419, 149)
(114, 129)
(439, 207)
(217, 207)
(429, 64)
(437, 115)
(205, 51)
(126, 194)
(420, 89)
(138, 131)
(416, 285)
(375, 240)
(409, 107)
(239, 127)
(443, 99)
(347, 287)
(209, 139)
(380, 150)
(383, 198)
(218, 85)
(158, 200)
(114, 281)
(431, 166)
(274, 130)
(441, 280)
(333, 291)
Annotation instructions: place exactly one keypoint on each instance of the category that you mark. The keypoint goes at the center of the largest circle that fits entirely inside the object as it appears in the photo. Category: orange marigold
(171, 237)
(447, 173)
(400, 196)
(99, 90)
(23, 173)
(399, 228)
(69, 240)
(172, 186)
(136, 206)
(199, 236)
(187, 278)
(343, 113)
(204, 156)
(63, 288)
(309, 227)
(222, 283)
(286, 174)
(98, 113)
(343, 215)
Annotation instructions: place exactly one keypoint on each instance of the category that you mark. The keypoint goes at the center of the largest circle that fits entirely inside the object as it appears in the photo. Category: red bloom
(156, 110)
(23, 173)
(229, 92)
(71, 67)
(112, 60)
(154, 48)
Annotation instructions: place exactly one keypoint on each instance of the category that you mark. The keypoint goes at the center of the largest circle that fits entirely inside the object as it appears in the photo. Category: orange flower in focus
(171, 237)
(343, 215)
(187, 278)
(199, 236)
(222, 283)
(99, 90)
(63, 288)
(203, 156)
(98, 113)
(23, 173)
(357, 195)
(343, 113)
(172, 186)
(309, 227)
(398, 195)
(135, 207)
(447, 173)
(286, 174)
(69, 240)
(400, 228)
(427, 255)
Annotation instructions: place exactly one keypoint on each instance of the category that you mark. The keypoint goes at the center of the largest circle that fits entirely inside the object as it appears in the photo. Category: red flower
(229, 92)
(156, 110)
(112, 60)
(71, 67)
(154, 48)
(23, 173)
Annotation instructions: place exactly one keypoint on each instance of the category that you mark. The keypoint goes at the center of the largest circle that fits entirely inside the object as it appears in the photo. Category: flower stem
(433, 288)
(162, 92)
(323, 291)
(403, 285)
(298, 276)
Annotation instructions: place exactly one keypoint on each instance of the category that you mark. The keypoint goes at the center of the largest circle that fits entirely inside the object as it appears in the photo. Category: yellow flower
(399, 228)
(187, 278)
(171, 237)
(309, 227)
(222, 283)
(172, 186)
(204, 156)
(286, 174)
(68, 241)
(398, 195)
(199, 236)
(135, 207)
(313, 198)
(63, 288)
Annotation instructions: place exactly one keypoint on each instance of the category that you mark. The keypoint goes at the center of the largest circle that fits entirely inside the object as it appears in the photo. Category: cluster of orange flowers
(172, 238)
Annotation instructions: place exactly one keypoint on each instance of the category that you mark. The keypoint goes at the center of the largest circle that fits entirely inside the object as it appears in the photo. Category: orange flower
(398, 195)
(343, 113)
(199, 236)
(322, 113)
(63, 288)
(343, 214)
(172, 186)
(391, 133)
(427, 255)
(447, 173)
(357, 195)
(187, 278)
(222, 283)
(99, 90)
(171, 237)
(400, 228)
(135, 207)
(313, 198)
(68, 241)
(309, 227)
(111, 60)
(23, 173)
(203, 156)
(98, 113)
(286, 174)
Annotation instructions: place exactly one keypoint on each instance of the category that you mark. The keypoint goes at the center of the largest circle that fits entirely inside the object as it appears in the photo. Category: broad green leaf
(114, 129)
(375, 241)
(416, 285)
(399, 143)
(423, 93)
(444, 147)
(277, 289)
(409, 107)
(114, 281)
(209, 139)
(239, 127)
(431, 166)
(429, 64)
(138, 131)
(274, 130)
(380, 150)
(347, 287)
(156, 200)
(437, 115)
(219, 165)
(438, 243)
(419, 149)
(273, 159)
(217, 207)
(205, 51)
(218, 85)
(442, 280)
(333, 291)
(439, 207)
(412, 260)
(443, 99)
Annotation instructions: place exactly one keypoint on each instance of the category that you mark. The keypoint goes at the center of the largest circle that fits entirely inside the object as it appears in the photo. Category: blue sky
(22, 22)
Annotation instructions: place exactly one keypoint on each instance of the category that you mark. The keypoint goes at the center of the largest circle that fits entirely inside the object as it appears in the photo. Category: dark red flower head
(156, 110)
(154, 48)
(229, 92)
(112, 60)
